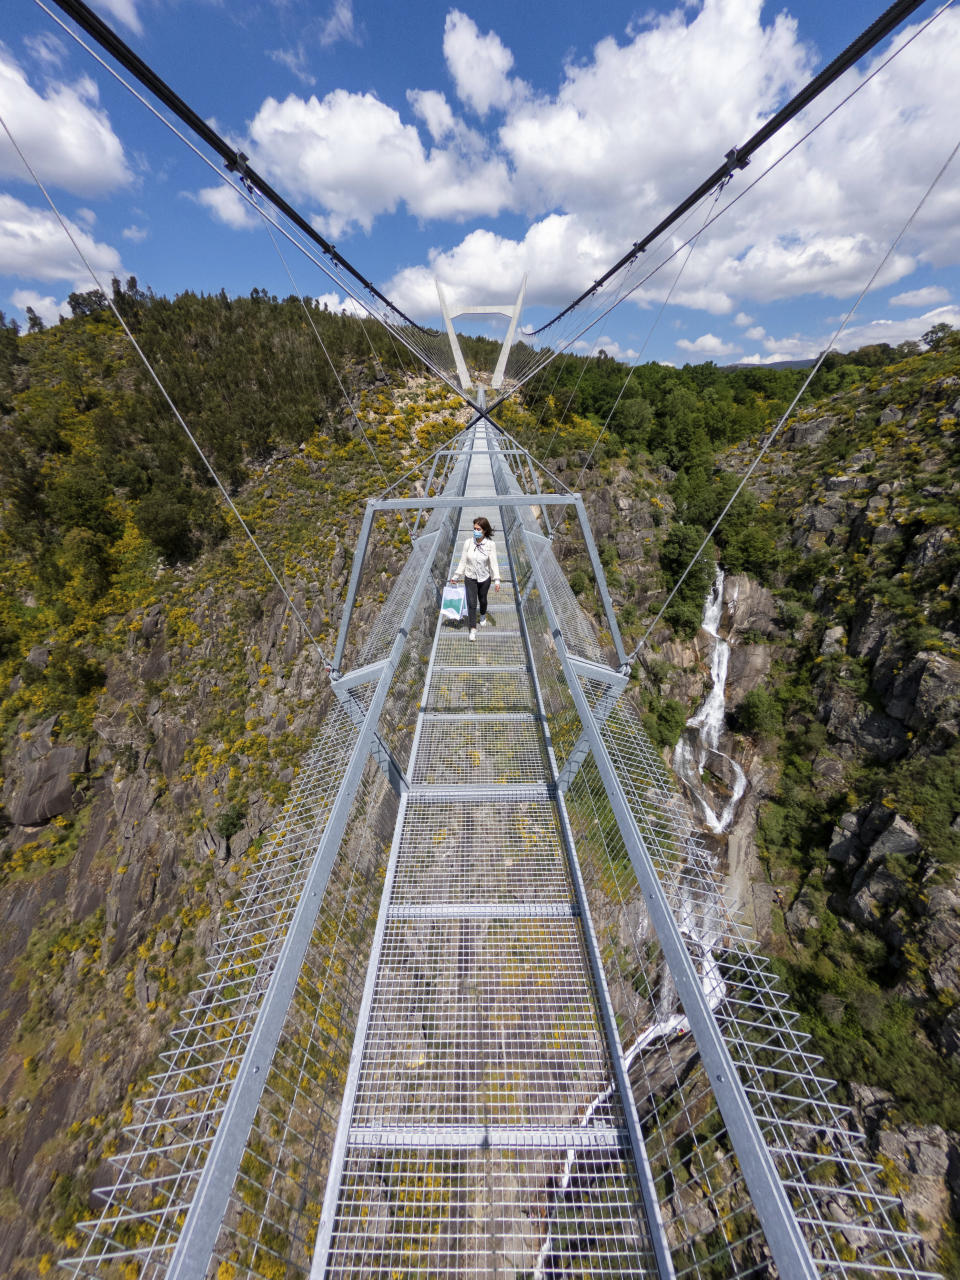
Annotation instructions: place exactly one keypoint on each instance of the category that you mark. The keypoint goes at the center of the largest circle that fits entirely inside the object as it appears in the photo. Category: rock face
(747, 606)
(927, 695)
(811, 433)
(920, 1161)
(106, 934)
(861, 789)
(45, 777)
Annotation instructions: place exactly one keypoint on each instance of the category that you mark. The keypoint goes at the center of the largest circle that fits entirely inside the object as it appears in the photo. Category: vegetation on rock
(852, 525)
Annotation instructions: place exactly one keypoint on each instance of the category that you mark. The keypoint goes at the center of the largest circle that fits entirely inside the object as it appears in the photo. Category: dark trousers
(476, 593)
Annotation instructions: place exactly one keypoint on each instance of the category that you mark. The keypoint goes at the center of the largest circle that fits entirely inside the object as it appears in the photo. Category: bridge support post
(197, 1240)
(773, 1208)
(482, 310)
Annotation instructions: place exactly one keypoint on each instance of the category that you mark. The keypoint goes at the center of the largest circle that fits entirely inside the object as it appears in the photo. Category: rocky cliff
(842, 710)
(128, 819)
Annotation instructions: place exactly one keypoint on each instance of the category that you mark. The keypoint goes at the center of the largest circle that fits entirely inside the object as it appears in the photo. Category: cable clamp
(734, 161)
(238, 165)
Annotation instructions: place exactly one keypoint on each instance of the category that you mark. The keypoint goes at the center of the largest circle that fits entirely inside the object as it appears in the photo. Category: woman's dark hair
(484, 524)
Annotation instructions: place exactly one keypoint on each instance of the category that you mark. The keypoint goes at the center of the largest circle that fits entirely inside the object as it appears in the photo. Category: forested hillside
(156, 693)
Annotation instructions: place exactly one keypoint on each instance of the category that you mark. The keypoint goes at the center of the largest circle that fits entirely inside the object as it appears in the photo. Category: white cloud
(67, 139)
(790, 351)
(333, 302)
(355, 156)
(621, 142)
(46, 306)
(434, 110)
(479, 64)
(124, 11)
(799, 347)
(34, 247)
(228, 207)
(487, 268)
(47, 48)
(135, 234)
(294, 60)
(755, 332)
(708, 344)
(340, 25)
(617, 145)
(607, 344)
(927, 297)
(894, 331)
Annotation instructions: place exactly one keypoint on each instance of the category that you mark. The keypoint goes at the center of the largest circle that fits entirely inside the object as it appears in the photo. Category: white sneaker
(483, 621)
(473, 634)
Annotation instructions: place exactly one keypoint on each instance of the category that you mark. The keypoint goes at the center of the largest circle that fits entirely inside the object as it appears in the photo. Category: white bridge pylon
(491, 309)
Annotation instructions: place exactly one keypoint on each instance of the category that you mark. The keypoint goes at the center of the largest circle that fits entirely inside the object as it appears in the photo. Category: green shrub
(758, 714)
(665, 722)
(230, 820)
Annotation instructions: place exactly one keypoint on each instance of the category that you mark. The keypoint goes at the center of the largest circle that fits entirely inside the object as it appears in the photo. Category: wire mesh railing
(273, 1214)
(269, 1214)
(484, 1133)
(403, 1058)
(174, 1124)
(833, 1191)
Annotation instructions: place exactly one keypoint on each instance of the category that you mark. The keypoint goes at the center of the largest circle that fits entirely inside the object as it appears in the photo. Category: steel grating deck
(475, 752)
(483, 1134)
(442, 1212)
(493, 647)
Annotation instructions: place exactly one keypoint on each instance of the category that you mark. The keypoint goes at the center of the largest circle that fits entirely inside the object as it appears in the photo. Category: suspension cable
(346, 285)
(583, 368)
(656, 320)
(535, 364)
(236, 161)
(796, 399)
(715, 217)
(343, 391)
(163, 391)
(739, 157)
(624, 293)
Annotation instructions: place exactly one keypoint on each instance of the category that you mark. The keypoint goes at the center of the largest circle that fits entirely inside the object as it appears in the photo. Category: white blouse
(478, 560)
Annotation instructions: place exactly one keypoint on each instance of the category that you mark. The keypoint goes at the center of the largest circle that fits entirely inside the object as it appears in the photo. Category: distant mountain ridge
(776, 364)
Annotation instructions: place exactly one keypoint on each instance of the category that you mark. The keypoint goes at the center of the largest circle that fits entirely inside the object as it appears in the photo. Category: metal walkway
(481, 1009)
(483, 1131)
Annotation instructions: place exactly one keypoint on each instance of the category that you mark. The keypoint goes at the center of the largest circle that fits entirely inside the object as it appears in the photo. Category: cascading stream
(700, 739)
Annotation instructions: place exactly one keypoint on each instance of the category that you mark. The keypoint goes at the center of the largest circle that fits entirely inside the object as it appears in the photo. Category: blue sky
(483, 142)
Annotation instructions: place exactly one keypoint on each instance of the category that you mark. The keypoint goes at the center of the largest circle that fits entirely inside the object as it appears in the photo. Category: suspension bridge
(481, 1007)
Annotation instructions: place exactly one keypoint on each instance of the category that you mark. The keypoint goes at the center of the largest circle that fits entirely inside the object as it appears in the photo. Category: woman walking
(478, 565)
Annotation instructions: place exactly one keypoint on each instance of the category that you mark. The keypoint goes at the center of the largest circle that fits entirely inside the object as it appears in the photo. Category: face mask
(477, 535)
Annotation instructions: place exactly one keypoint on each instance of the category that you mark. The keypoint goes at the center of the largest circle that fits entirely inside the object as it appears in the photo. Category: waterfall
(701, 737)
(699, 916)
(700, 923)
